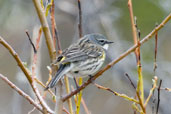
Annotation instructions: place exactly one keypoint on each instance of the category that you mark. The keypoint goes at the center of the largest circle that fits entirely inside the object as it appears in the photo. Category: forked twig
(151, 91)
(22, 93)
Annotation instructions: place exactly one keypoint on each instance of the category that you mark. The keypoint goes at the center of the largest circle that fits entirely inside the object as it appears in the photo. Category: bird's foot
(77, 86)
(91, 79)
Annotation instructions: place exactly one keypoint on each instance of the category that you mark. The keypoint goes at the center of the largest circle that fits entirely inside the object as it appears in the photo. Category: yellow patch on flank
(103, 56)
(63, 58)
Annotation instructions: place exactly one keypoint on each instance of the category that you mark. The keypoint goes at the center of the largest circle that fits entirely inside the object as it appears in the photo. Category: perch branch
(123, 55)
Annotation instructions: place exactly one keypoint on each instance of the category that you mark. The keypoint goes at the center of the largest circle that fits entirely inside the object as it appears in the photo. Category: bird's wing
(78, 53)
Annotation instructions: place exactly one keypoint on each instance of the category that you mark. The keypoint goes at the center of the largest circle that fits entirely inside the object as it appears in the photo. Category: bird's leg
(90, 78)
(55, 91)
(77, 86)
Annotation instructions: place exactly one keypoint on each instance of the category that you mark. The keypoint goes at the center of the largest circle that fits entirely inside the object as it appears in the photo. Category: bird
(83, 58)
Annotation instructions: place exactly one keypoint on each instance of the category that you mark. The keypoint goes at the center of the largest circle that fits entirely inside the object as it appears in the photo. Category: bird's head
(99, 39)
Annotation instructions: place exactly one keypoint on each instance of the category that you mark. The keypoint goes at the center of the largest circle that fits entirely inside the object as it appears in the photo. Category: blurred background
(108, 17)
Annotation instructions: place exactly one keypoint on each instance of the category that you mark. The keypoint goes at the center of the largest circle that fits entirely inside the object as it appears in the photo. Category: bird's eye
(102, 41)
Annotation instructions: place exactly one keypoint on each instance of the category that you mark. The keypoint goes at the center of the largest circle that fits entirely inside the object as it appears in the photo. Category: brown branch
(22, 93)
(17, 58)
(115, 93)
(130, 81)
(32, 44)
(85, 106)
(123, 55)
(46, 30)
(35, 89)
(65, 110)
(133, 25)
(167, 89)
(158, 101)
(155, 54)
(80, 19)
(54, 28)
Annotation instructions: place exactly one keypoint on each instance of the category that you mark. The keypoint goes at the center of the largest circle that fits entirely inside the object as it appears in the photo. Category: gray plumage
(85, 57)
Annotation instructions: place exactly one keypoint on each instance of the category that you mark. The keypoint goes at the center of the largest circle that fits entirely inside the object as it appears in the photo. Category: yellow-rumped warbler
(83, 58)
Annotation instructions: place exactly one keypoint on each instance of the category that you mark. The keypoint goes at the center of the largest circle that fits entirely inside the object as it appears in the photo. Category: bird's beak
(109, 42)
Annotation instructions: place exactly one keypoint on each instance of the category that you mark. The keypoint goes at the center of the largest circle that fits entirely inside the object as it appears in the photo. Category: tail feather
(63, 69)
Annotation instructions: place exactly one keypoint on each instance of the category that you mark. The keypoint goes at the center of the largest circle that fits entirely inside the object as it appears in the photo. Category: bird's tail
(63, 69)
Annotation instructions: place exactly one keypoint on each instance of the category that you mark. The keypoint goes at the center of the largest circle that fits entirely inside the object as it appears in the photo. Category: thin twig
(158, 100)
(68, 91)
(130, 80)
(155, 53)
(115, 93)
(20, 64)
(31, 111)
(167, 89)
(151, 91)
(17, 58)
(54, 28)
(123, 55)
(154, 68)
(34, 48)
(136, 109)
(22, 93)
(40, 83)
(140, 85)
(85, 106)
(80, 19)
(133, 25)
(79, 96)
(35, 89)
(65, 110)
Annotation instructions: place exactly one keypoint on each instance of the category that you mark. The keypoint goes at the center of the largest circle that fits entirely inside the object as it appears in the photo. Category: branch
(17, 58)
(133, 25)
(80, 19)
(151, 91)
(145, 39)
(126, 74)
(32, 44)
(155, 53)
(22, 93)
(117, 94)
(35, 89)
(54, 28)
(158, 101)
(46, 30)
